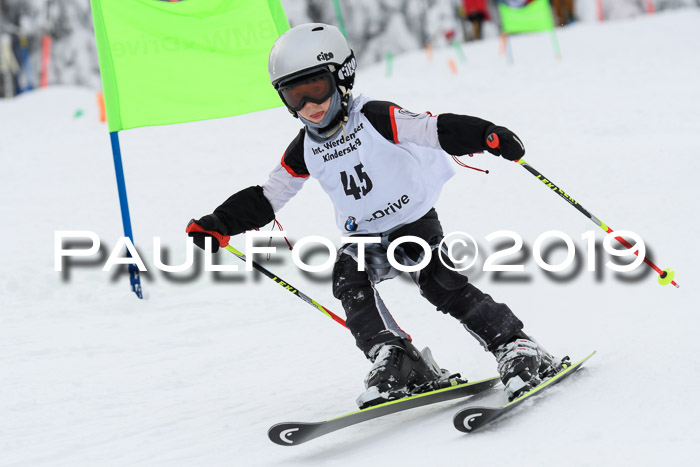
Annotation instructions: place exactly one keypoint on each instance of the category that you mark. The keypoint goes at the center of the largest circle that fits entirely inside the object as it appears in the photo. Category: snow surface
(195, 374)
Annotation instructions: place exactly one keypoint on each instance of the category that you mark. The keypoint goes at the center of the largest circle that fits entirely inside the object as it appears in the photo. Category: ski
(295, 433)
(472, 418)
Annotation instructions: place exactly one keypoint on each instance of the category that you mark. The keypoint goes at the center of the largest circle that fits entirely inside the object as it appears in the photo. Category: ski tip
(473, 418)
(289, 434)
(469, 420)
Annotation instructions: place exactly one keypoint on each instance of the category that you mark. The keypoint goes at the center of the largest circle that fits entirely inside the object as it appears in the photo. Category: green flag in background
(525, 16)
(165, 61)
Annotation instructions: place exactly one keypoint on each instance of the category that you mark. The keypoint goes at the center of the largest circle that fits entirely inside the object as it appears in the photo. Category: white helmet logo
(348, 69)
(284, 435)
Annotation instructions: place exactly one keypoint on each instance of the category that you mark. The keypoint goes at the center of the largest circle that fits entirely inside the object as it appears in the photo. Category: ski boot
(524, 364)
(400, 370)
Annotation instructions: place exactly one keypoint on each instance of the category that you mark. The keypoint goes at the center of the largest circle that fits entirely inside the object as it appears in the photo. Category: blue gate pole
(26, 64)
(134, 277)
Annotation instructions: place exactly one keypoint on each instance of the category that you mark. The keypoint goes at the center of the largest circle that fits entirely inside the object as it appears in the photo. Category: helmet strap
(344, 102)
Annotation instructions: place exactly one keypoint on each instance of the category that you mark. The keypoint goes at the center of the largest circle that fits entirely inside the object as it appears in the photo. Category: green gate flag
(174, 61)
(535, 15)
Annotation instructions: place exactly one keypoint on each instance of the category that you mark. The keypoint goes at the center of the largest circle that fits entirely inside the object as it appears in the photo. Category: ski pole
(223, 242)
(289, 287)
(665, 276)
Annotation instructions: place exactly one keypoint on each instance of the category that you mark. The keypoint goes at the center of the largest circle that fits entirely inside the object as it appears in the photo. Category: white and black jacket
(386, 169)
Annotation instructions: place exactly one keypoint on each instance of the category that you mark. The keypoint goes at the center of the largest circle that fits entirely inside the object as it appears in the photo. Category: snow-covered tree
(69, 23)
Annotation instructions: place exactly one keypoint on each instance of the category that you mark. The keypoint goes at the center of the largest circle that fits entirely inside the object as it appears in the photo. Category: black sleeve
(248, 209)
(462, 134)
(379, 114)
(293, 158)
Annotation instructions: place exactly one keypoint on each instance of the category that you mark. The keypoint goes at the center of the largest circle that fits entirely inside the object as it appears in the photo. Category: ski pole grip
(492, 141)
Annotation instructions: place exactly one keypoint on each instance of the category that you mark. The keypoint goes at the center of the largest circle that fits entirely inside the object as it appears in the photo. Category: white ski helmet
(310, 47)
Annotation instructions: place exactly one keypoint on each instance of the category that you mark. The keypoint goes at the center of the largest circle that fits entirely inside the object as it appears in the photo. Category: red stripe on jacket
(393, 123)
(290, 170)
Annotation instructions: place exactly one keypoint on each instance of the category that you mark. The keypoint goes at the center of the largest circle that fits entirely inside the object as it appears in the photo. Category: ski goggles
(314, 88)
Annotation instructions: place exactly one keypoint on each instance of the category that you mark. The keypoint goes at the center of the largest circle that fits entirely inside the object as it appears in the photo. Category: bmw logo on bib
(351, 224)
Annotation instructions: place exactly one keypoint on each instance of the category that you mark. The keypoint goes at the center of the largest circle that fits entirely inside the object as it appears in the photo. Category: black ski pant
(450, 292)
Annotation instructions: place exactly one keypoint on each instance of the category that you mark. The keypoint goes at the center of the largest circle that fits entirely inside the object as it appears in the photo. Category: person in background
(564, 11)
(9, 68)
(476, 12)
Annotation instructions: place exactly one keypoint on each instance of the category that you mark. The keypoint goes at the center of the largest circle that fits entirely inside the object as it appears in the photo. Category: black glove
(505, 143)
(208, 226)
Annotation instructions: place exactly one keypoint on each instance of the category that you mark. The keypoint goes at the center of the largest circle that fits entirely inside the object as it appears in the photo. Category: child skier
(383, 168)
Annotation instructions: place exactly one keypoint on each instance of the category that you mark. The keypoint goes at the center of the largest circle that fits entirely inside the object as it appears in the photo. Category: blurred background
(45, 42)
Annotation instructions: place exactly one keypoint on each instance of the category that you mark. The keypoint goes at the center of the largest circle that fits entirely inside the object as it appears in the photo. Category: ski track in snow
(195, 374)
